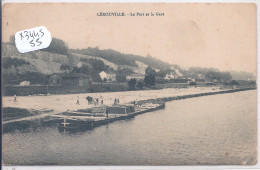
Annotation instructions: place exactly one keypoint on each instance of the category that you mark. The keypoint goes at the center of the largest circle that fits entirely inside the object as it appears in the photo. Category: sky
(206, 35)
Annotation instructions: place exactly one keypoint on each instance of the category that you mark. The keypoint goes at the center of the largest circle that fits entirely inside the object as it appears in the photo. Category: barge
(81, 121)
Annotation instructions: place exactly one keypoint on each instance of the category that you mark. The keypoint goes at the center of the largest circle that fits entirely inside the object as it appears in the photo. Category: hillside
(139, 67)
(36, 66)
(122, 59)
(39, 61)
(40, 64)
(45, 62)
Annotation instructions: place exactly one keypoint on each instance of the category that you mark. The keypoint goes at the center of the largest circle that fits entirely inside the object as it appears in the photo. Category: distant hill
(49, 61)
(242, 75)
(57, 58)
(122, 59)
(19, 67)
(37, 61)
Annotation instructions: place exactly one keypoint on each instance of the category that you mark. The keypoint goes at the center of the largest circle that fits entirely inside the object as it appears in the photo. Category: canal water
(218, 129)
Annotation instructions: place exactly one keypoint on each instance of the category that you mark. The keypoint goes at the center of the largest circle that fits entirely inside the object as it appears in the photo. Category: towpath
(61, 103)
(31, 117)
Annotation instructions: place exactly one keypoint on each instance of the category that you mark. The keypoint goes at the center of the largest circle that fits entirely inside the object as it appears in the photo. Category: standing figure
(15, 98)
(89, 99)
(77, 101)
(97, 101)
(106, 113)
(102, 102)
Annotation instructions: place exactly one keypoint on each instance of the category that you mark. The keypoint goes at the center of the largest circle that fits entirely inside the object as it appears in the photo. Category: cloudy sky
(207, 35)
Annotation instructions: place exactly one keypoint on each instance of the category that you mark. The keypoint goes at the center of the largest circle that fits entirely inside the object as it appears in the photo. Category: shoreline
(48, 120)
(205, 94)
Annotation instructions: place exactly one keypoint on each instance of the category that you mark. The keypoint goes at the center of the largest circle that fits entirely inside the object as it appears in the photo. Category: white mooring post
(64, 124)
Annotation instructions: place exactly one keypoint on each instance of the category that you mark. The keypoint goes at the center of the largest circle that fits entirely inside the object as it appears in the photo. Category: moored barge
(81, 121)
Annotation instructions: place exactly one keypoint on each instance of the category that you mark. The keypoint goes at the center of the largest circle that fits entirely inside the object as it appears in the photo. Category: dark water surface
(218, 129)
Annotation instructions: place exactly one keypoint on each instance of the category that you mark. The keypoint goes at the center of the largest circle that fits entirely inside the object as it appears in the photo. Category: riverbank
(51, 118)
(62, 103)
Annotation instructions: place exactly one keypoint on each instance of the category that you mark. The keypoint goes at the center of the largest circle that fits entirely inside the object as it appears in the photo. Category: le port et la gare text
(122, 14)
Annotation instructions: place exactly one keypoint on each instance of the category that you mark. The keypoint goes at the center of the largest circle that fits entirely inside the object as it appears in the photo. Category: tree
(96, 77)
(75, 69)
(120, 77)
(213, 75)
(131, 84)
(125, 71)
(149, 71)
(234, 82)
(97, 65)
(149, 80)
(8, 62)
(140, 85)
(163, 73)
(84, 69)
(225, 76)
(57, 46)
(64, 67)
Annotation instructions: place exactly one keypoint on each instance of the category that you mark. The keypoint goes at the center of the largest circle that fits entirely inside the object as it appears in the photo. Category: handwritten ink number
(26, 34)
(39, 42)
(42, 33)
(31, 34)
(32, 44)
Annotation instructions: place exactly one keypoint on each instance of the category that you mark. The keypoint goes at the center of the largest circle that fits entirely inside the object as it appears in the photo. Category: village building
(70, 79)
(135, 76)
(201, 76)
(25, 83)
(171, 75)
(109, 76)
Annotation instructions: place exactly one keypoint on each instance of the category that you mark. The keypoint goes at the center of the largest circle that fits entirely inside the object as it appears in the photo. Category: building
(109, 76)
(171, 75)
(177, 71)
(201, 76)
(135, 76)
(70, 79)
(25, 83)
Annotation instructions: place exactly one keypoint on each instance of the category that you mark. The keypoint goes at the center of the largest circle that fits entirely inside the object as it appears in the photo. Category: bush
(193, 83)
(8, 62)
(140, 85)
(131, 84)
(57, 46)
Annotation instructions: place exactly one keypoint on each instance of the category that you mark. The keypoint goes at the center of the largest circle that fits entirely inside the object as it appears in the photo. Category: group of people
(96, 101)
(91, 100)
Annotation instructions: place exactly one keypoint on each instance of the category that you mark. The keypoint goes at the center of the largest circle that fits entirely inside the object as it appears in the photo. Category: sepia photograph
(126, 84)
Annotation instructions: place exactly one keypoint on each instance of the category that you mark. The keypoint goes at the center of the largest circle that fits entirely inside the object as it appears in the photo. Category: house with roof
(70, 79)
(25, 83)
(171, 75)
(109, 76)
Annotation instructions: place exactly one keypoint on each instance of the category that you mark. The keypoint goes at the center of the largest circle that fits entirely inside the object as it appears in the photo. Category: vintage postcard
(129, 84)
